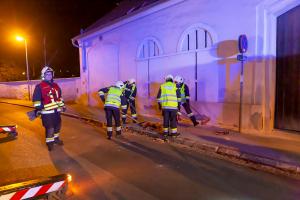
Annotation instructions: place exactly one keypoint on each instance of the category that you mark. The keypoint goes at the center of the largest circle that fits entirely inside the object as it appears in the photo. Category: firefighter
(112, 103)
(47, 100)
(130, 94)
(185, 101)
(169, 101)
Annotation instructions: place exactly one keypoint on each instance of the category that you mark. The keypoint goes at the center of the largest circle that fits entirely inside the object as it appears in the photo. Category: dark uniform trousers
(110, 113)
(130, 104)
(52, 124)
(169, 120)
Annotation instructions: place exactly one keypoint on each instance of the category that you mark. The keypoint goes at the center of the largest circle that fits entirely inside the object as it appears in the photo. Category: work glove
(102, 99)
(131, 98)
(187, 101)
(178, 116)
(64, 109)
(37, 112)
(159, 106)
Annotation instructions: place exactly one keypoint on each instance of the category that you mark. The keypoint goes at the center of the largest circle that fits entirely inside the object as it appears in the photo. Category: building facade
(198, 39)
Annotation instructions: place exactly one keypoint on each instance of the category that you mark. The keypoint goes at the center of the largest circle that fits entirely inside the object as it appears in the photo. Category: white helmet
(169, 77)
(131, 81)
(120, 84)
(46, 69)
(178, 79)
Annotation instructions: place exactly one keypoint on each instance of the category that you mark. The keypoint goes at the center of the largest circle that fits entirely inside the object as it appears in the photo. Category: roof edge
(152, 8)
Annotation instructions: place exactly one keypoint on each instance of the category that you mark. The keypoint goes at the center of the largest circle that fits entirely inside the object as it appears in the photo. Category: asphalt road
(133, 167)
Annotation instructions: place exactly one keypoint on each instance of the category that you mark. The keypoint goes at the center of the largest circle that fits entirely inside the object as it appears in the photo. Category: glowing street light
(21, 39)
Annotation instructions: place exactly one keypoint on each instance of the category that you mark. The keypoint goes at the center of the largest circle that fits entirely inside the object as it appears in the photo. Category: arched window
(197, 37)
(149, 48)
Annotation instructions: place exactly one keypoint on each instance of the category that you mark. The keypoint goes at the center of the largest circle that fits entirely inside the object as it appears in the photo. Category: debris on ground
(222, 132)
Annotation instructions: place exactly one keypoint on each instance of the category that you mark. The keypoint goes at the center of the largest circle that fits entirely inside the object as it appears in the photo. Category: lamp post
(20, 38)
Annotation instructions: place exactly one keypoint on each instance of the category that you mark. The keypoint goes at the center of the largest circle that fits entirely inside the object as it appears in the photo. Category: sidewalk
(279, 150)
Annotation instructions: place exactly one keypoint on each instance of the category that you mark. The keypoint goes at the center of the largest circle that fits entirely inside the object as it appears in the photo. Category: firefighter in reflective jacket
(47, 100)
(185, 101)
(130, 94)
(169, 101)
(112, 103)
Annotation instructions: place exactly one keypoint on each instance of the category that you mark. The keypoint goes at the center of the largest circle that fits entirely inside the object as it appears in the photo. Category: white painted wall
(19, 89)
(112, 54)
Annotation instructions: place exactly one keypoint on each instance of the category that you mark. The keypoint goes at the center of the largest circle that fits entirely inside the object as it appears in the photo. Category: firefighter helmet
(178, 79)
(120, 84)
(169, 78)
(131, 81)
(46, 69)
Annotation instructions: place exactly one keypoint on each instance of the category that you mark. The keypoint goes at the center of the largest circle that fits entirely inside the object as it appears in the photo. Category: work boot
(175, 134)
(109, 134)
(164, 136)
(118, 133)
(50, 146)
(58, 141)
(195, 123)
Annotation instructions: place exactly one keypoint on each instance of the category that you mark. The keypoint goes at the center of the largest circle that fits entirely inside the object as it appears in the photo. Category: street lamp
(21, 39)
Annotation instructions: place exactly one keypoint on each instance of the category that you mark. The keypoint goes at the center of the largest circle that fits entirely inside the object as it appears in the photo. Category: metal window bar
(196, 39)
(205, 34)
(188, 40)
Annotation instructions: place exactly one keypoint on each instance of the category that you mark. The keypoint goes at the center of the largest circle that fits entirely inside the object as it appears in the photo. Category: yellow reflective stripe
(50, 104)
(111, 105)
(174, 130)
(47, 111)
(109, 128)
(36, 103)
(51, 108)
(50, 139)
(169, 100)
(124, 107)
(168, 95)
(118, 128)
(56, 135)
(169, 107)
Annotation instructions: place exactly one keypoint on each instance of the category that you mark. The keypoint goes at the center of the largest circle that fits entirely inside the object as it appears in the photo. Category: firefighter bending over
(185, 101)
(112, 103)
(130, 94)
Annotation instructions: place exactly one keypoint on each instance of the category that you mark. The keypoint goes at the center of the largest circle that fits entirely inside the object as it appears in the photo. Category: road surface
(133, 167)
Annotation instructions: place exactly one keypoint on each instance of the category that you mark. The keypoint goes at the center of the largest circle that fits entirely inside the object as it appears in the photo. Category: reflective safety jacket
(168, 96)
(184, 92)
(47, 97)
(114, 97)
(130, 90)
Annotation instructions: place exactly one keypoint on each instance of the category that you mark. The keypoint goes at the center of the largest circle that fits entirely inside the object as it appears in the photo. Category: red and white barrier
(34, 192)
(7, 129)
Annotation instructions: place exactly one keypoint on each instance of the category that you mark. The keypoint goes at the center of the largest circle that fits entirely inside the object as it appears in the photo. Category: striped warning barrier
(7, 129)
(33, 188)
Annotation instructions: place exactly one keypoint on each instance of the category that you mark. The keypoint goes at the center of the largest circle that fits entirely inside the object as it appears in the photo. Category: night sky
(57, 21)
